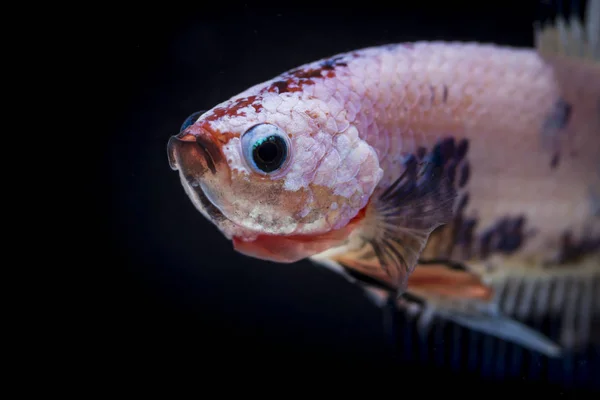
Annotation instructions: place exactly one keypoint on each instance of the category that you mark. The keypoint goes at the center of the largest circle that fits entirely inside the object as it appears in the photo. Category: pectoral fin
(398, 223)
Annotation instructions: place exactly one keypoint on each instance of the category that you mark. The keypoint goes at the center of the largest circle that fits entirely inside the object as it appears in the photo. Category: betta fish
(445, 171)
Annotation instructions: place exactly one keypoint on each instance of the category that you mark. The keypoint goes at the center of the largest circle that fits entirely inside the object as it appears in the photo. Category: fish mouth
(194, 153)
(198, 158)
(200, 163)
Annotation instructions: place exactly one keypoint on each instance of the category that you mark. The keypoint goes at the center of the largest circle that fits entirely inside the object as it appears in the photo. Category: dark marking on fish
(506, 236)
(445, 95)
(557, 120)
(411, 164)
(435, 159)
(465, 236)
(281, 86)
(295, 79)
(465, 173)
(485, 243)
(462, 204)
(303, 73)
(420, 199)
(333, 62)
(445, 149)
(571, 251)
(461, 149)
(560, 115)
(512, 234)
(451, 170)
(448, 156)
(431, 94)
(555, 160)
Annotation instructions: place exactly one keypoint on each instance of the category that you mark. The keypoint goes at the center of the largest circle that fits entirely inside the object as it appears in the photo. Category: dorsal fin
(570, 37)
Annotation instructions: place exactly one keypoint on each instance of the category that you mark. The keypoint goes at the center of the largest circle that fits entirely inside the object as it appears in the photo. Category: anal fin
(486, 318)
(436, 290)
(462, 297)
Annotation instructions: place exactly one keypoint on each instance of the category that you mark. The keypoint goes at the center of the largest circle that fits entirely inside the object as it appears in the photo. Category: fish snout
(193, 154)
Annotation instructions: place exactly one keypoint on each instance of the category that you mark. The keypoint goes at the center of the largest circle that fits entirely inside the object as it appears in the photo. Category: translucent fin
(491, 322)
(436, 291)
(398, 223)
(570, 37)
(462, 297)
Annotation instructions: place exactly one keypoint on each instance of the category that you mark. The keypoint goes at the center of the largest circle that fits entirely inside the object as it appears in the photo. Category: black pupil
(270, 154)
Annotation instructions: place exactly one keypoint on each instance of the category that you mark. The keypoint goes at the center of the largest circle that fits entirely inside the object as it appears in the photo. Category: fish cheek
(264, 205)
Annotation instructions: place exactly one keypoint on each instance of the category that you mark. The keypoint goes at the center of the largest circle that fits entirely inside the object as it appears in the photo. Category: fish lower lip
(212, 210)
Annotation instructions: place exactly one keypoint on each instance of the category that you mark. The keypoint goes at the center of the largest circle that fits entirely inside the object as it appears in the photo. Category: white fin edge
(487, 320)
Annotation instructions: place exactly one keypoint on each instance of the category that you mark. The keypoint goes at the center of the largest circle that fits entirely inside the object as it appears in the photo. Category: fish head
(282, 185)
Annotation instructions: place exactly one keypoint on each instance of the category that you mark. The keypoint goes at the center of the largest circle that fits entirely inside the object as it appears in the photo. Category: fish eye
(190, 120)
(265, 148)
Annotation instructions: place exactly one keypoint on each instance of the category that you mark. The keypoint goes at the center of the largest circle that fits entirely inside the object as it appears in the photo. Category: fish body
(397, 161)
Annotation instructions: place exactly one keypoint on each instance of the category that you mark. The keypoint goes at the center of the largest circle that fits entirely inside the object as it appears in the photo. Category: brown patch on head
(295, 79)
(284, 86)
(218, 137)
(309, 73)
(234, 108)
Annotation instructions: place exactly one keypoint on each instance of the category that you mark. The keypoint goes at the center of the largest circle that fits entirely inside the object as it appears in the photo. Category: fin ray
(399, 221)
(569, 37)
(462, 298)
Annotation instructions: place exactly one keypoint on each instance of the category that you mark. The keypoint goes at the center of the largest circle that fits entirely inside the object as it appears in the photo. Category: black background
(174, 290)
